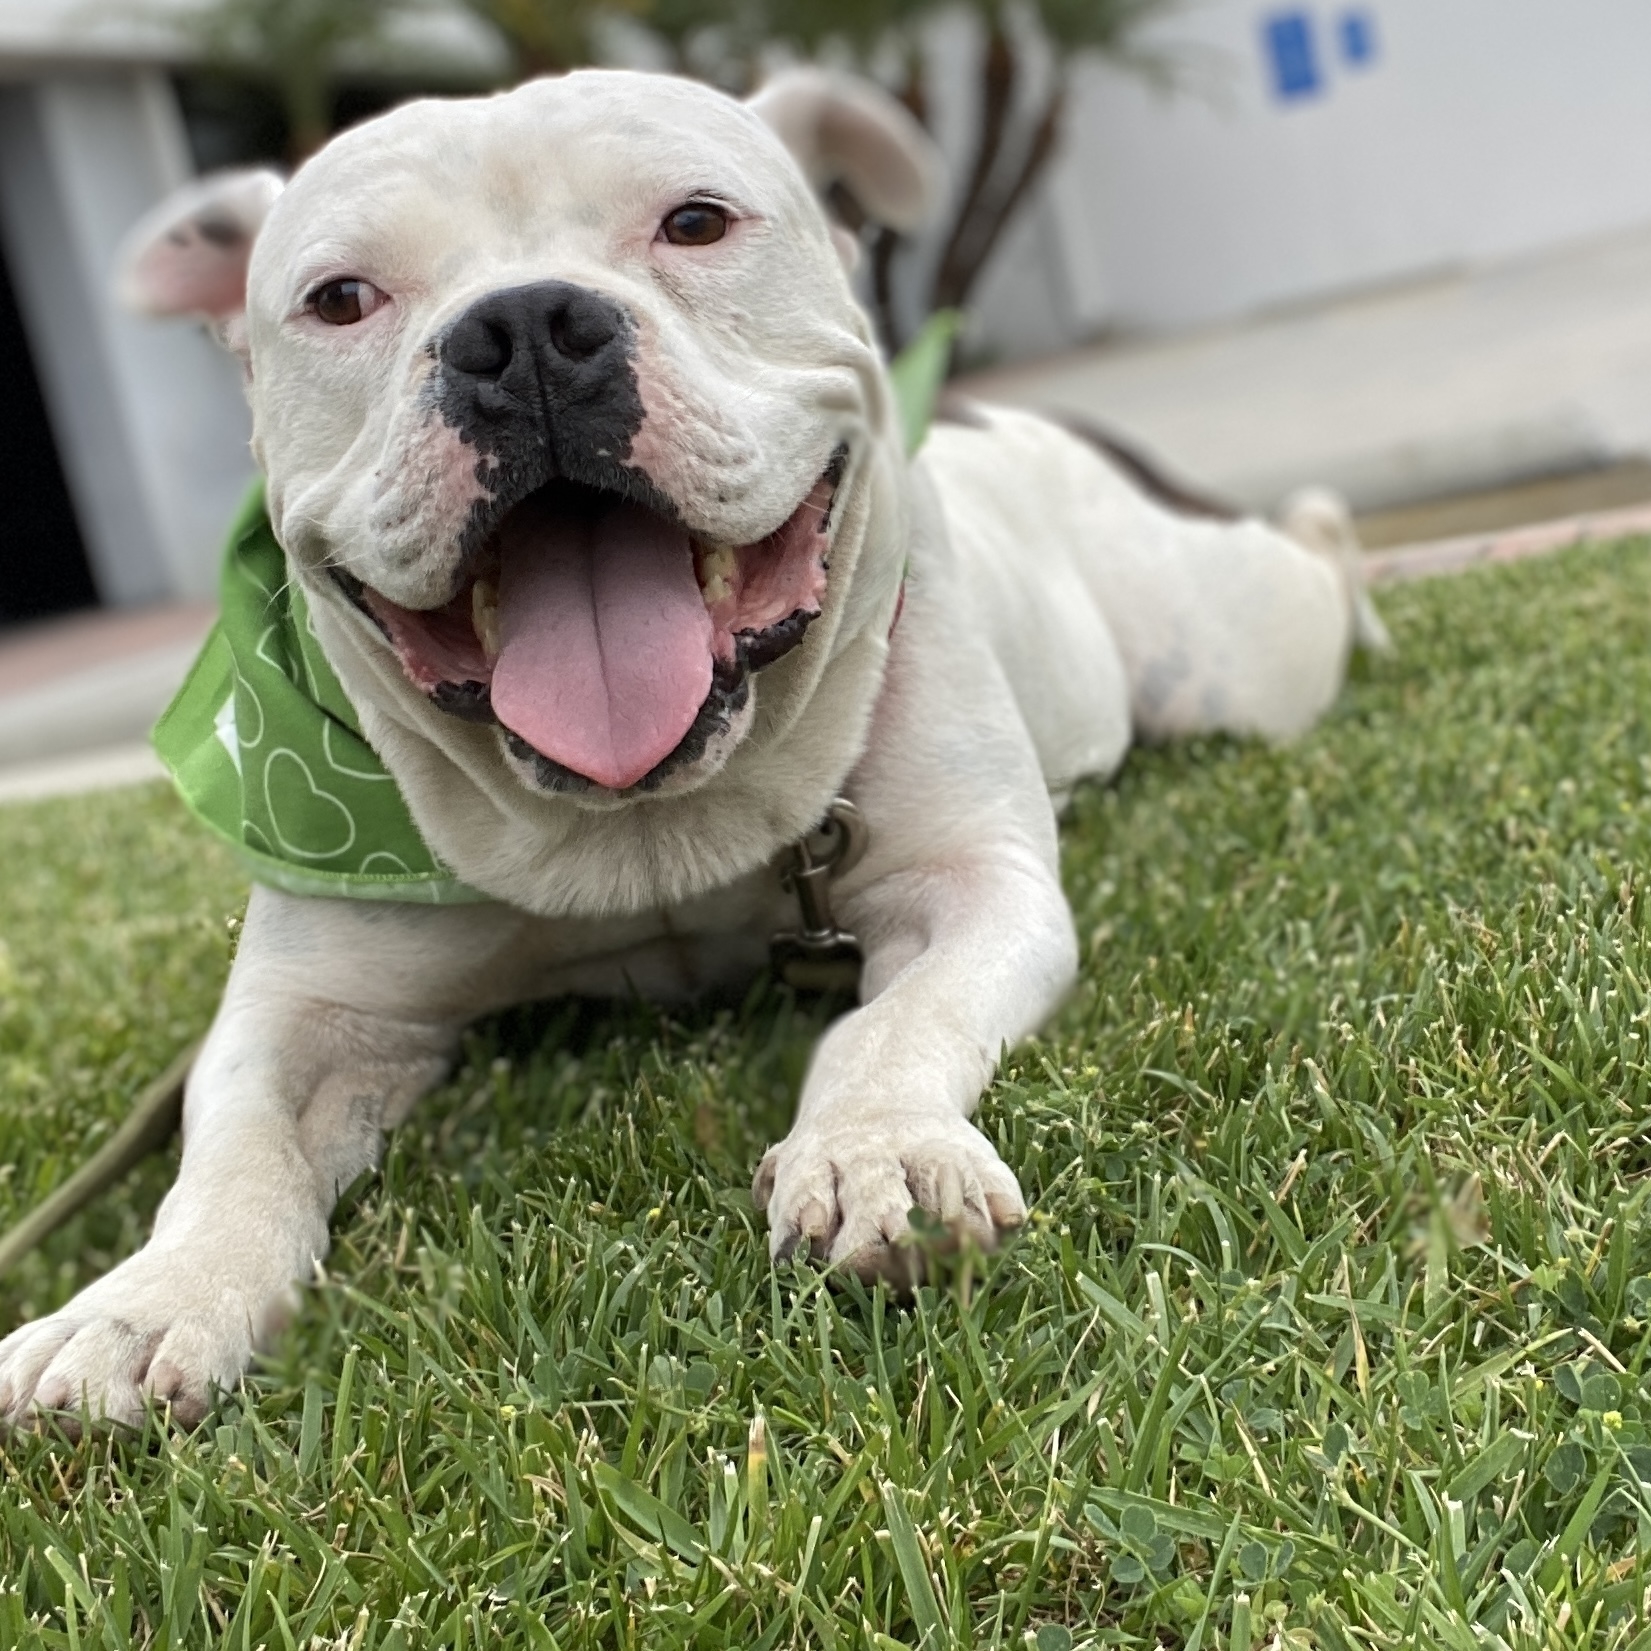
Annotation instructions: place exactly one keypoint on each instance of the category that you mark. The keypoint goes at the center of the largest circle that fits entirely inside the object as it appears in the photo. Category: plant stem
(997, 95)
(304, 92)
(887, 242)
(992, 221)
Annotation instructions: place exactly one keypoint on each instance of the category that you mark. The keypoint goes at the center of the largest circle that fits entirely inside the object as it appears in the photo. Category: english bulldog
(580, 449)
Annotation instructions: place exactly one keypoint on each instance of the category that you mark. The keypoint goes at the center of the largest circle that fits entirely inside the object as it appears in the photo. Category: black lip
(835, 470)
(613, 481)
(355, 593)
(468, 701)
(487, 515)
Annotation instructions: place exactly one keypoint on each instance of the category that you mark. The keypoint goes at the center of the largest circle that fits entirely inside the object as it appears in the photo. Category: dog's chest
(719, 940)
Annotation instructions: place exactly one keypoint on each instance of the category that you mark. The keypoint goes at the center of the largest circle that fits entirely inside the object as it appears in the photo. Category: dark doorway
(43, 567)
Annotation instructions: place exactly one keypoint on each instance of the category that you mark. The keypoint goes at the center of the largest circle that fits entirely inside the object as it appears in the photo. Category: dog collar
(817, 956)
(267, 750)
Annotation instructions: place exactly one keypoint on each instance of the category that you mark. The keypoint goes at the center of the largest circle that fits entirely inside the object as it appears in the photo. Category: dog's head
(563, 397)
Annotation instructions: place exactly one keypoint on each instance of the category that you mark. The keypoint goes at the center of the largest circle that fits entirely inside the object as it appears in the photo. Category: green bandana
(265, 746)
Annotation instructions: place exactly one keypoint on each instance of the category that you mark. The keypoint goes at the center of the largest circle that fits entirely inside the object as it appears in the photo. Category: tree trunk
(887, 242)
(306, 94)
(992, 219)
(997, 96)
(534, 62)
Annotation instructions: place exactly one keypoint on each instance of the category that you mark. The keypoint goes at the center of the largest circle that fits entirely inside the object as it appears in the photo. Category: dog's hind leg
(338, 1015)
(1234, 627)
(1217, 624)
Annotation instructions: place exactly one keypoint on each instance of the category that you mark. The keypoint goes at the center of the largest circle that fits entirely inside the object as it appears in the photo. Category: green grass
(1330, 1328)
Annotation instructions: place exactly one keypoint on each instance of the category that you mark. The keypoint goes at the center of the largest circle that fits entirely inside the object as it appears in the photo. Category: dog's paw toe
(845, 1194)
(131, 1340)
(24, 1358)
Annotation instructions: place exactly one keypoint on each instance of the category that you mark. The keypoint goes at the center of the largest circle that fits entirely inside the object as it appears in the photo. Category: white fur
(1051, 613)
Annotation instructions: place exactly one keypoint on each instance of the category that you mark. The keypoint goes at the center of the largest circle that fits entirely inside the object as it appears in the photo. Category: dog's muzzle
(609, 641)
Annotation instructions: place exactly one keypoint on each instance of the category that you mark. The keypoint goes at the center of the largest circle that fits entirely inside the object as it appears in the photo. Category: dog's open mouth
(602, 634)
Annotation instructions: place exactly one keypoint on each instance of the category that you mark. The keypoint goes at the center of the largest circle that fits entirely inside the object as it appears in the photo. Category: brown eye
(343, 303)
(697, 224)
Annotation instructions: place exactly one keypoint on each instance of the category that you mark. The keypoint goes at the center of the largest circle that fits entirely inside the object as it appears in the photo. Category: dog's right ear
(189, 255)
(849, 131)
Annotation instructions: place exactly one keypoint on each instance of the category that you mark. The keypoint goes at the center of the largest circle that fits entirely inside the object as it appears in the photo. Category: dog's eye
(697, 224)
(343, 303)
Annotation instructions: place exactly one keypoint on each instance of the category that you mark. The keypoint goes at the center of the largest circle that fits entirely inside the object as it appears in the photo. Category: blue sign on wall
(1291, 48)
(1356, 29)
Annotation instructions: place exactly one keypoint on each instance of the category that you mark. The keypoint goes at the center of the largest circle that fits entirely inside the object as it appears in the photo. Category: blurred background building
(1322, 148)
(123, 444)
(1403, 246)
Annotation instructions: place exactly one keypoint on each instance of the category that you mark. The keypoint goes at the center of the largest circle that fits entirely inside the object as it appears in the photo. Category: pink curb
(1518, 544)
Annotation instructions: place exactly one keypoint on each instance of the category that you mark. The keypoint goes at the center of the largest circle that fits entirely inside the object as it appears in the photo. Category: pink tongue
(605, 642)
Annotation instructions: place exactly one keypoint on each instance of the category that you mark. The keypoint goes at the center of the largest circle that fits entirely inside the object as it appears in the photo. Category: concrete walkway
(104, 769)
(79, 695)
(1473, 381)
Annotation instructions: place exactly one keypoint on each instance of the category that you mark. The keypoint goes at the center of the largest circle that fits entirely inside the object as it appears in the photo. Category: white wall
(149, 419)
(1482, 129)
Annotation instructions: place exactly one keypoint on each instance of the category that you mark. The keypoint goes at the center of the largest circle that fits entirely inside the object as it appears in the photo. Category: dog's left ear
(189, 256)
(848, 131)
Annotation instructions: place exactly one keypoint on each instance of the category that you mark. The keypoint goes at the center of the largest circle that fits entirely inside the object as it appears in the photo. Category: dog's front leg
(962, 957)
(337, 1016)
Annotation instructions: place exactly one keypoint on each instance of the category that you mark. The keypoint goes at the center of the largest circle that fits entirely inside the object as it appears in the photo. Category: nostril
(578, 330)
(479, 346)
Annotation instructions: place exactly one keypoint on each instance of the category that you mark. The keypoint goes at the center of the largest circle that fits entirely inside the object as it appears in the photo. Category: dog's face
(561, 391)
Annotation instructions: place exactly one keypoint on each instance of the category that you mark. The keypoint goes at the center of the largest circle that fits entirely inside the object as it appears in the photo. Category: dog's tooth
(717, 564)
(484, 616)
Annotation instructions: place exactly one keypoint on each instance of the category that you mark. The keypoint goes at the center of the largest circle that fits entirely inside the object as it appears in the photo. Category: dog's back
(1114, 617)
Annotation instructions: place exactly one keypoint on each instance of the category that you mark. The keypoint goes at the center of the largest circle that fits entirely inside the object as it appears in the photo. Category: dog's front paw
(159, 1327)
(845, 1187)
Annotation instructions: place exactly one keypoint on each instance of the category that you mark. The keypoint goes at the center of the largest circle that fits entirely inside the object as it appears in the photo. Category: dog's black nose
(542, 378)
(535, 332)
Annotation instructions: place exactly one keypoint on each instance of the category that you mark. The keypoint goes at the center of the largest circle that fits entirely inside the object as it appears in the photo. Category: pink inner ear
(848, 247)
(189, 255)
(189, 276)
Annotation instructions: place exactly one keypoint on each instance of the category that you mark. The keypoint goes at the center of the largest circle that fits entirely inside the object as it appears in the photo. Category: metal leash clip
(818, 956)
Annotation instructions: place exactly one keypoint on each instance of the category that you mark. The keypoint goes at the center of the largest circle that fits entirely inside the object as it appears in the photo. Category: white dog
(589, 478)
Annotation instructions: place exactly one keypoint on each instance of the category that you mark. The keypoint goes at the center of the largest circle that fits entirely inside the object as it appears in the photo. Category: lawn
(1330, 1328)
